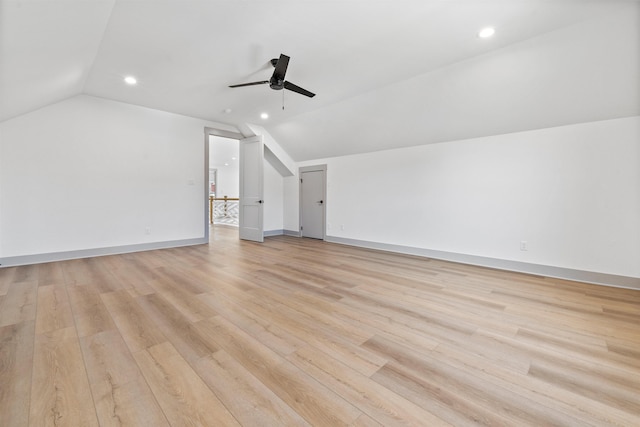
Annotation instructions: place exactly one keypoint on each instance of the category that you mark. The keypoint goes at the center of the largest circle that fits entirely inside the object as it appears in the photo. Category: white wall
(273, 198)
(1, 234)
(228, 183)
(91, 173)
(273, 152)
(291, 209)
(571, 192)
(224, 154)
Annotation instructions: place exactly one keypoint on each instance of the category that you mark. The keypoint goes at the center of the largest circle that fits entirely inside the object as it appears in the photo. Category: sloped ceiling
(387, 73)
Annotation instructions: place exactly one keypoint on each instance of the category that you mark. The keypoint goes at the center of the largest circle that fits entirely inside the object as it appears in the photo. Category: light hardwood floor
(302, 332)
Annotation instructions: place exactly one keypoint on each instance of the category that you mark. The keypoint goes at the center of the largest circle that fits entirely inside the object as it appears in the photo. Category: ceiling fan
(277, 81)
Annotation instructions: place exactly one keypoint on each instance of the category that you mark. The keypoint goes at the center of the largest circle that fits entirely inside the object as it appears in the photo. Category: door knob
(260, 201)
(321, 201)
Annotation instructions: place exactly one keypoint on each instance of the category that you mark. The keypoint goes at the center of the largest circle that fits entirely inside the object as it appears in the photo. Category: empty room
(319, 213)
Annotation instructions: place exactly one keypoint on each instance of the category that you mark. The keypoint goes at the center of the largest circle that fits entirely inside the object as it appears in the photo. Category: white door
(251, 188)
(312, 203)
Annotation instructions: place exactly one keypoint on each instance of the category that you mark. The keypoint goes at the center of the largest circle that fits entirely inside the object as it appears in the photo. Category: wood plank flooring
(302, 332)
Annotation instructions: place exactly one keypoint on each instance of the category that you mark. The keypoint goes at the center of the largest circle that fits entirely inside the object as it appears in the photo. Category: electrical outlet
(147, 230)
(341, 227)
(523, 245)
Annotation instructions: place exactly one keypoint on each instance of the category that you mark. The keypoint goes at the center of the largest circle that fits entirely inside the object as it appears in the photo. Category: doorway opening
(224, 181)
(212, 175)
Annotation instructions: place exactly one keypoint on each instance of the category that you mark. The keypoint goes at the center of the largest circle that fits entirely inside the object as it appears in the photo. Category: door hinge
(300, 180)
(301, 228)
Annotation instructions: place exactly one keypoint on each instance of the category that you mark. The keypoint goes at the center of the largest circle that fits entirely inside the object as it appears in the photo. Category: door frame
(212, 132)
(315, 168)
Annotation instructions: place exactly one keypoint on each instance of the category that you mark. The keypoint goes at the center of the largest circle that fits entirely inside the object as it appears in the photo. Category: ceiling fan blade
(251, 84)
(298, 89)
(281, 68)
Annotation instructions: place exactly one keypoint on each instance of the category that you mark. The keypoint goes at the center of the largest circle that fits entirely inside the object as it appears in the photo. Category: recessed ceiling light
(264, 116)
(486, 32)
(227, 110)
(226, 164)
(130, 80)
(233, 158)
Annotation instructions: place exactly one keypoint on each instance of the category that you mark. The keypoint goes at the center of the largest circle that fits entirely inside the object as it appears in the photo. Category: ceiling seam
(99, 48)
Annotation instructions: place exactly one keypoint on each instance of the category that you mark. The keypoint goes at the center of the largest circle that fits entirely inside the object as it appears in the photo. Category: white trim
(223, 133)
(207, 134)
(501, 264)
(291, 233)
(269, 233)
(89, 253)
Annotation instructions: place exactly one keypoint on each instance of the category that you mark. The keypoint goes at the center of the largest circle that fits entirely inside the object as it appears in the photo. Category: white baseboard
(88, 253)
(270, 233)
(522, 267)
(291, 233)
(501, 264)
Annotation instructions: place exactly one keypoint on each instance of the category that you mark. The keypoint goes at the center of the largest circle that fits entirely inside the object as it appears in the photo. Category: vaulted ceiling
(387, 73)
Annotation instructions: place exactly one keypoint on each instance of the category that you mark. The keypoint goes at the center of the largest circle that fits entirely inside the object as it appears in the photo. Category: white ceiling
(387, 73)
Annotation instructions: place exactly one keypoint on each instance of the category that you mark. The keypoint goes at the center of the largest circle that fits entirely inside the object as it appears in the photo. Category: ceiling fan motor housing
(276, 84)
